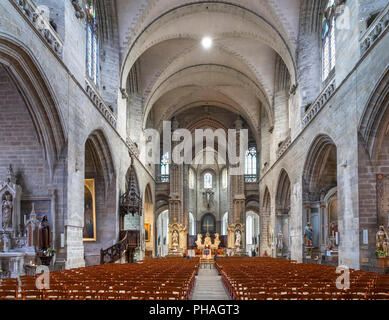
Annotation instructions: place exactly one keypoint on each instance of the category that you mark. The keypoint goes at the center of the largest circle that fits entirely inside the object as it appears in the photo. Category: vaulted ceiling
(163, 37)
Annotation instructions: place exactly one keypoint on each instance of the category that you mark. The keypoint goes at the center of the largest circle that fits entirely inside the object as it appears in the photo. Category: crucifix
(207, 225)
(208, 194)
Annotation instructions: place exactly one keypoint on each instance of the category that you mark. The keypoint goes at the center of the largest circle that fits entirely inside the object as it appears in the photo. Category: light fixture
(206, 42)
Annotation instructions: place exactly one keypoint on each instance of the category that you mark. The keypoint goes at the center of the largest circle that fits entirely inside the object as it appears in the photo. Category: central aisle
(209, 286)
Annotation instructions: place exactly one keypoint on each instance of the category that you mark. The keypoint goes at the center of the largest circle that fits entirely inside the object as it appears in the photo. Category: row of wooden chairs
(152, 279)
(279, 279)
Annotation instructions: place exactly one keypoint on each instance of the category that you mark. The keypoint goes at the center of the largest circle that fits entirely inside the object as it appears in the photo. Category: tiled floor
(209, 286)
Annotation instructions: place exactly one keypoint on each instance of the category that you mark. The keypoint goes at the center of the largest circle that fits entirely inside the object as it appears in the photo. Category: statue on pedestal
(175, 239)
(308, 235)
(382, 241)
(216, 243)
(207, 241)
(44, 234)
(280, 243)
(6, 208)
(238, 238)
(199, 241)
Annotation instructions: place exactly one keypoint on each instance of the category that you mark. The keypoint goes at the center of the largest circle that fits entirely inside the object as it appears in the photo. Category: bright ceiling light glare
(206, 42)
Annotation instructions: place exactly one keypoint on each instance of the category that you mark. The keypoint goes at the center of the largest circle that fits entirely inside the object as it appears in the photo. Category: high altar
(207, 242)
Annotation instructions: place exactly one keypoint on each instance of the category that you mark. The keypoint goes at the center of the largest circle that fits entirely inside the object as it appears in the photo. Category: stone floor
(209, 286)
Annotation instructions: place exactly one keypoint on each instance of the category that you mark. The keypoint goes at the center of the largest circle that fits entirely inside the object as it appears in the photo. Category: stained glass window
(328, 38)
(165, 165)
(251, 161)
(92, 50)
(208, 181)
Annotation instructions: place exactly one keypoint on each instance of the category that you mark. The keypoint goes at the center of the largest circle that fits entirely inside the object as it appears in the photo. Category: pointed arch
(283, 193)
(320, 167)
(266, 199)
(99, 169)
(374, 113)
(38, 95)
(150, 226)
(265, 223)
(102, 155)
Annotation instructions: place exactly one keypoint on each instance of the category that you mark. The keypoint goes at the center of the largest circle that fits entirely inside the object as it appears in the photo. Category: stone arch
(284, 49)
(266, 241)
(184, 77)
(208, 222)
(320, 169)
(374, 113)
(283, 193)
(373, 157)
(320, 194)
(252, 231)
(252, 203)
(97, 142)
(99, 175)
(150, 226)
(38, 95)
(163, 233)
(282, 231)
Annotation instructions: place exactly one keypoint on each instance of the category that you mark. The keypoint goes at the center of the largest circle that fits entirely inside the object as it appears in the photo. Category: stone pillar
(134, 117)
(281, 107)
(176, 197)
(348, 214)
(296, 222)
(74, 220)
(237, 196)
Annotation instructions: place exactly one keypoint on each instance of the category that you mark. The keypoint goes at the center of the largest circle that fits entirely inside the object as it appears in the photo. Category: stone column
(176, 197)
(296, 222)
(74, 220)
(237, 196)
(134, 117)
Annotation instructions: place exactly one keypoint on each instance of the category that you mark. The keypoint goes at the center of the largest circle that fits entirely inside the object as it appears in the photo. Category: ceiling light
(206, 42)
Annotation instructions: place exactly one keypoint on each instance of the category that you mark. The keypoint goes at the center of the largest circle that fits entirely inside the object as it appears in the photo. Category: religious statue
(7, 206)
(238, 237)
(199, 241)
(175, 239)
(44, 234)
(207, 241)
(308, 235)
(382, 240)
(216, 242)
(5, 243)
(280, 243)
(334, 229)
(208, 196)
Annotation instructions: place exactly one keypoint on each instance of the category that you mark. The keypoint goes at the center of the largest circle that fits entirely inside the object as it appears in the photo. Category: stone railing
(250, 178)
(33, 14)
(319, 103)
(132, 147)
(284, 146)
(375, 30)
(100, 104)
(163, 178)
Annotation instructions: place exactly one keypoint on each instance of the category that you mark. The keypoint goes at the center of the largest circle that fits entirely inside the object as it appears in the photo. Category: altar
(21, 236)
(12, 263)
(207, 244)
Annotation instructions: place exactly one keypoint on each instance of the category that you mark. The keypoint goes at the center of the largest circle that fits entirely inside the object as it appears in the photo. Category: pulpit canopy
(131, 201)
